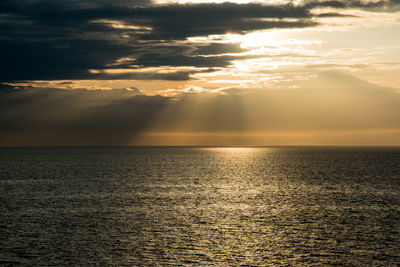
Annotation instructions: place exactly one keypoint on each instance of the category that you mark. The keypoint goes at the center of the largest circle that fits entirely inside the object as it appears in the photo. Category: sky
(206, 72)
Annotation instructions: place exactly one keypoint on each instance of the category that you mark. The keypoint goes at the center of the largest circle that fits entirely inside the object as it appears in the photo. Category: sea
(200, 206)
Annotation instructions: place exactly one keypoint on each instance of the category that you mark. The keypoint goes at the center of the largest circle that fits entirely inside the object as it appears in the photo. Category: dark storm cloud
(181, 21)
(383, 5)
(169, 21)
(54, 39)
(49, 40)
(200, 55)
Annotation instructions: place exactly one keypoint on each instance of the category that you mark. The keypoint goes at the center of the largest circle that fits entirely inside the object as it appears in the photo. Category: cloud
(181, 21)
(382, 5)
(331, 101)
(50, 40)
(334, 14)
(78, 116)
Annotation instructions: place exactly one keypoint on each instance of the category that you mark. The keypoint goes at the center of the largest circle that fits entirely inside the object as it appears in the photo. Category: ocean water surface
(141, 206)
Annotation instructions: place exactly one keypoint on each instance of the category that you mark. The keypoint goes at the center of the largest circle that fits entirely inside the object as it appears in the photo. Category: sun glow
(221, 1)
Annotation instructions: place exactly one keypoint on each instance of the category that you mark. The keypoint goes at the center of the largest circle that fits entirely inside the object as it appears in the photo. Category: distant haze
(329, 109)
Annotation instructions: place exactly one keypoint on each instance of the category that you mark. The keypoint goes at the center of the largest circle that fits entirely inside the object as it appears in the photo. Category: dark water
(200, 206)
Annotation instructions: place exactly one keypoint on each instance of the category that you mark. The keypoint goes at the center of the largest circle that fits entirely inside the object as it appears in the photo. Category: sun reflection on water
(228, 206)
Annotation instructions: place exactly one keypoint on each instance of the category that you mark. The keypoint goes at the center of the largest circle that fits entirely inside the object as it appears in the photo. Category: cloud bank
(43, 116)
